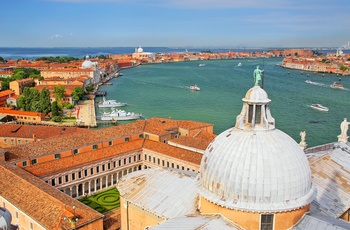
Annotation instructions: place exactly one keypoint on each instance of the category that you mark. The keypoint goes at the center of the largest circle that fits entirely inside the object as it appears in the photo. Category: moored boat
(239, 64)
(194, 88)
(319, 107)
(110, 103)
(120, 115)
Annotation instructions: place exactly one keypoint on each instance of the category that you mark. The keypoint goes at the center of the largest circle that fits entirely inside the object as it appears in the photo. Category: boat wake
(314, 83)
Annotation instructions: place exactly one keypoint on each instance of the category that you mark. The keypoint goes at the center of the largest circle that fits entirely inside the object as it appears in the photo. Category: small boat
(201, 65)
(337, 85)
(108, 83)
(194, 88)
(239, 64)
(313, 83)
(110, 103)
(319, 107)
(120, 115)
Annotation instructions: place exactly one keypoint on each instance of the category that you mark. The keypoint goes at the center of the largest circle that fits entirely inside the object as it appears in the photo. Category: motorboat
(110, 103)
(120, 115)
(319, 107)
(201, 65)
(239, 64)
(313, 83)
(194, 88)
(337, 85)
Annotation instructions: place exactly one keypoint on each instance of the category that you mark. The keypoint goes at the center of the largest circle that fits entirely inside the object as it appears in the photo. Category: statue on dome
(344, 126)
(257, 75)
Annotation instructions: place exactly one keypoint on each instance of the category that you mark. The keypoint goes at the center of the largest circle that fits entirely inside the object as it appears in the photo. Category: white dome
(255, 167)
(87, 63)
(256, 94)
(140, 50)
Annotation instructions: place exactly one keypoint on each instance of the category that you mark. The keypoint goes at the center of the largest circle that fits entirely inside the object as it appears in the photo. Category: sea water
(162, 90)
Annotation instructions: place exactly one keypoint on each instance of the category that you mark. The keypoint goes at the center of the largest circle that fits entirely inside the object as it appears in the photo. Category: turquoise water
(162, 90)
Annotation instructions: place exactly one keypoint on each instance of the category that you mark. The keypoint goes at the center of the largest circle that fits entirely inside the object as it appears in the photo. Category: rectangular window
(67, 178)
(103, 168)
(85, 172)
(12, 142)
(57, 156)
(91, 171)
(114, 164)
(60, 180)
(110, 143)
(26, 141)
(119, 162)
(258, 114)
(250, 113)
(109, 165)
(97, 169)
(145, 157)
(53, 182)
(79, 174)
(73, 176)
(266, 222)
(135, 158)
(31, 225)
(126, 139)
(139, 157)
(16, 215)
(24, 163)
(162, 162)
(19, 142)
(124, 161)
(75, 151)
(94, 147)
(141, 135)
(34, 162)
(129, 160)
(5, 141)
(147, 136)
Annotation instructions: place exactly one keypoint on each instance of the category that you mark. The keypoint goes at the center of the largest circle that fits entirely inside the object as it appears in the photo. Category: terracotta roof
(19, 112)
(198, 142)
(40, 132)
(175, 152)
(71, 141)
(42, 202)
(79, 159)
(6, 93)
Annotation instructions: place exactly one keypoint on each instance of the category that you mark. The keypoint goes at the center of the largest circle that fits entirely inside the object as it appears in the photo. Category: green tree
(45, 105)
(2, 59)
(55, 109)
(77, 94)
(89, 88)
(58, 92)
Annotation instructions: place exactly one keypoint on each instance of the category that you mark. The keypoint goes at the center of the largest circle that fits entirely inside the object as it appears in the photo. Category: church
(252, 176)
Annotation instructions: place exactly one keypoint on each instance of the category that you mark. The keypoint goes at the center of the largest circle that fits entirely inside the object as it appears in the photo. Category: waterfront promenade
(87, 115)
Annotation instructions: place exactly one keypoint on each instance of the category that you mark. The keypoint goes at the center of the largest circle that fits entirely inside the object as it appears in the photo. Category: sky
(174, 23)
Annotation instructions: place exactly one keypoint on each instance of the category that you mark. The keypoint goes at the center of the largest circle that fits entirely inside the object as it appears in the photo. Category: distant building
(146, 57)
(4, 95)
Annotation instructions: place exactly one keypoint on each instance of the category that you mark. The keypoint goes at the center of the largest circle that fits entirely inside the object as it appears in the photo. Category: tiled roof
(331, 176)
(42, 202)
(79, 159)
(169, 150)
(200, 141)
(40, 132)
(6, 93)
(19, 112)
(71, 141)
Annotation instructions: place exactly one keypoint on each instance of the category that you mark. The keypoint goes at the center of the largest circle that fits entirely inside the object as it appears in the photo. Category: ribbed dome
(255, 167)
(87, 63)
(140, 50)
(256, 94)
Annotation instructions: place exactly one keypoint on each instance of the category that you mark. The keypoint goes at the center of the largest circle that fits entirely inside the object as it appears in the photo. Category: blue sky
(174, 23)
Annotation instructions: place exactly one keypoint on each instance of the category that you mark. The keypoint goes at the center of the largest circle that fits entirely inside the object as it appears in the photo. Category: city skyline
(174, 23)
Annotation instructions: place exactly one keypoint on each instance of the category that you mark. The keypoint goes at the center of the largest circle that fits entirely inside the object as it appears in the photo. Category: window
(16, 214)
(94, 147)
(34, 162)
(53, 182)
(5, 141)
(124, 161)
(126, 139)
(91, 171)
(257, 114)
(26, 141)
(110, 143)
(85, 172)
(67, 178)
(73, 176)
(60, 180)
(147, 136)
(79, 174)
(119, 162)
(19, 142)
(24, 163)
(57, 156)
(97, 169)
(266, 222)
(135, 158)
(31, 225)
(139, 157)
(75, 151)
(103, 168)
(12, 142)
(129, 160)
(141, 135)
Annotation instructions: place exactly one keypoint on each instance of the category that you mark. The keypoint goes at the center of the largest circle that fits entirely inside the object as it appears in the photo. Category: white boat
(201, 65)
(313, 83)
(239, 64)
(194, 87)
(120, 115)
(110, 103)
(319, 107)
(337, 85)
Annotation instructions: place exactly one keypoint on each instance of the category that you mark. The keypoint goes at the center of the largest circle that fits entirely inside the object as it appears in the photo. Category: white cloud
(55, 36)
